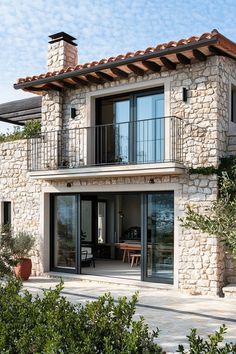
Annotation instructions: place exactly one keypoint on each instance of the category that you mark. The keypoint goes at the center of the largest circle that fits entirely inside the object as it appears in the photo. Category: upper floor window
(131, 127)
(233, 104)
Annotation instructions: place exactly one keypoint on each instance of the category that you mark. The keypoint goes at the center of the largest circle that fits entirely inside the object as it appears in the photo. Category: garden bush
(212, 345)
(51, 324)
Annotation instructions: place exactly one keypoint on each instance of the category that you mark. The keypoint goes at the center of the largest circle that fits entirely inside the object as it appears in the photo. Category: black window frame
(233, 104)
(6, 212)
(132, 96)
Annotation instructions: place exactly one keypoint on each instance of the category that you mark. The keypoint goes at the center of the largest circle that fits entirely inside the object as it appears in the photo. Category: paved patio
(174, 313)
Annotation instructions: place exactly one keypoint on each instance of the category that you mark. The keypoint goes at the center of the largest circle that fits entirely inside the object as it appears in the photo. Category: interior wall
(110, 200)
(131, 207)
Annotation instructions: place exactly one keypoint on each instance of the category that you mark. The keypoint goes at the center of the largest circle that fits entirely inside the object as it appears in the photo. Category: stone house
(108, 175)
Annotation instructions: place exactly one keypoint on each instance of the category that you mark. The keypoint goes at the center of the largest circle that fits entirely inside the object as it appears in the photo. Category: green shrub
(7, 260)
(22, 244)
(51, 324)
(210, 346)
(13, 247)
(30, 130)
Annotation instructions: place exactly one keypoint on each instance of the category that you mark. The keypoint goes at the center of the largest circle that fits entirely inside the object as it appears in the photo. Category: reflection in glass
(150, 128)
(160, 235)
(121, 112)
(86, 220)
(65, 231)
(101, 222)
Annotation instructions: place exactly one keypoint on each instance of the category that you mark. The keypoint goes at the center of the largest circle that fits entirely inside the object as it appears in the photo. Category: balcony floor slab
(162, 168)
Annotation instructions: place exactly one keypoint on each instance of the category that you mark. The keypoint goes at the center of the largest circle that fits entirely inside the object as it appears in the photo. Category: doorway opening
(119, 235)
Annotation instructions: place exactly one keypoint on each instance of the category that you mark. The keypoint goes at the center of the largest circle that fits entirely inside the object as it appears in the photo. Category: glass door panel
(112, 130)
(160, 237)
(65, 231)
(150, 128)
(121, 120)
(86, 221)
(102, 222)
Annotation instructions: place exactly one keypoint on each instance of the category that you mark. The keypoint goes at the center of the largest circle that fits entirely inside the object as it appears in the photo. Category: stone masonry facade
(203, 266)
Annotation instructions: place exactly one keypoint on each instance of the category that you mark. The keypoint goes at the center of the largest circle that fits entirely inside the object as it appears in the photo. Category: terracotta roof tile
(159, 47)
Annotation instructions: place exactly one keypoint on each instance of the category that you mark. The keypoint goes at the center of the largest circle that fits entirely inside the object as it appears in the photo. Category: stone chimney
(62, 52)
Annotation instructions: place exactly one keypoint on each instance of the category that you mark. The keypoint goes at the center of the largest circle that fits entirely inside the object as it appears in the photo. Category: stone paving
(172, 312)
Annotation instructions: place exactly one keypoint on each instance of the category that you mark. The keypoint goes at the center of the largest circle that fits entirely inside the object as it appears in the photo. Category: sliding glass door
(65, 240)
(158, 237)
(131, 128)
(79, 224)
(150, 128)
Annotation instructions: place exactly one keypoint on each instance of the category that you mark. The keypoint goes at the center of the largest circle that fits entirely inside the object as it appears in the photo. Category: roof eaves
(162, 52)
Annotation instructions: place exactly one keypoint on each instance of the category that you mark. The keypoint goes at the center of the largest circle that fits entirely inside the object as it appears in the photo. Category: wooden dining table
(128, 248)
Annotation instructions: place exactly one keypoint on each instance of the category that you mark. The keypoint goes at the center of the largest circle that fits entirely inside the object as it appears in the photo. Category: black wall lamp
(72, 113)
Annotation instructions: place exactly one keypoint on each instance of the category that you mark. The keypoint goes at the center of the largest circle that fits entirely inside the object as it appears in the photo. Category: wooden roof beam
(21, 113)
(150, 65)
(183, 59)
(218, 51)
(66, 84)
(120, 73)
(10, 122)
(199, 55)
(105, 76)
(93, 79)
(136, 70)
(79, 81)
(168, 63)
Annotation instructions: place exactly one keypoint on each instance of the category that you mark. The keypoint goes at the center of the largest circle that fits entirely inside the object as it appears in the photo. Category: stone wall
(199, 113)
(23, 192)
(61, 55)
(201, 260)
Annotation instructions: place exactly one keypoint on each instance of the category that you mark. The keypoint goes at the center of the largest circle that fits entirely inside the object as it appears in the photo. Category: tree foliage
(220, 218)
(31, 129)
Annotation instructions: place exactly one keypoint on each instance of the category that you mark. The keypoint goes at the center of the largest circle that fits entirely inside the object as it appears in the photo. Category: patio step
(110, 280)
(230, 290)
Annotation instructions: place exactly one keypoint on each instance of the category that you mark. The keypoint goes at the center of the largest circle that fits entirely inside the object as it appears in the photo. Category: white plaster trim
(165, 168)
(45, 230)
(128, 87)
(45, 217)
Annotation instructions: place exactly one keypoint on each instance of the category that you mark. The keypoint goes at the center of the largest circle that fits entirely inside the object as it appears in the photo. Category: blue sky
(102, 28)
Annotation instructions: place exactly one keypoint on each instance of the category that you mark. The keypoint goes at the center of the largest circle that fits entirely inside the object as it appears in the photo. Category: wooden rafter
(37, 89)
(136, 70)
(119, 72)
(93, 79)
(60, 85)
(199, 55)
(217, 51)
(51, 87)
(67, 84)
(105, 76)
(150, 65)
(79, 81)
(168, 63)
(183, 59)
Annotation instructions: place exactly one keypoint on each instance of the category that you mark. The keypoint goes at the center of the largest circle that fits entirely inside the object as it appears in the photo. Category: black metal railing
(138, 142)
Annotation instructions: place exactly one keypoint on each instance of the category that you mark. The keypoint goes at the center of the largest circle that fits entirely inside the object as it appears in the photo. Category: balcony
(110, 149)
